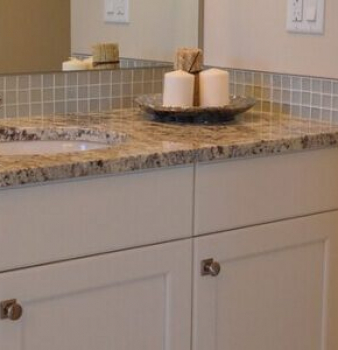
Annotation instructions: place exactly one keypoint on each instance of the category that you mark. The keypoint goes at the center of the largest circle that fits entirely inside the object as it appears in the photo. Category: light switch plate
(302, 23)
(116, 11)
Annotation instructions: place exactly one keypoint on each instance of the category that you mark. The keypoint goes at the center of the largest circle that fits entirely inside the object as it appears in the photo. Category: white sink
(48, 147)
(56, 140)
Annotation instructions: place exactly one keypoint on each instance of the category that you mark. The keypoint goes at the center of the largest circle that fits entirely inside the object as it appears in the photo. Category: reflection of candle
(74, 64)
(178, 89)
(89, 62)
(214, 88)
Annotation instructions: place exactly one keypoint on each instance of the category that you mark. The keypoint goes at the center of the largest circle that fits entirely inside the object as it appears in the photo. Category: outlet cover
(116, 11)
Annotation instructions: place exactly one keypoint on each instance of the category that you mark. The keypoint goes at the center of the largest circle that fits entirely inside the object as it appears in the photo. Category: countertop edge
(129, 164)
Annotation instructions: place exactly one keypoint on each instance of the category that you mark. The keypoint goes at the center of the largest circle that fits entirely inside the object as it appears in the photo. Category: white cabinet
(277, 288)
(136, 299)
(115, 262)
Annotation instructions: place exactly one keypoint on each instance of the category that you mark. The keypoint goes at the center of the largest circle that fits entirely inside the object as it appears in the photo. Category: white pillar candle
(214, 88)
(74, 64)
(178, 89)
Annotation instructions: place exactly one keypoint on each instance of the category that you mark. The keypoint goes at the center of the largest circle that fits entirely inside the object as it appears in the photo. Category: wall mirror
(38, 35)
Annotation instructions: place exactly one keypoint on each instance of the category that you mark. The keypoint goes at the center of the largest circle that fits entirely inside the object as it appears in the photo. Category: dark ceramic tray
(153, 104)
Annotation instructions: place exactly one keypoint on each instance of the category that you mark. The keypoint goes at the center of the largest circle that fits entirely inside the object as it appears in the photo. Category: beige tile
(116, 103)
(11, 83)
(94, 105)
(23, 97)
(48, 81)
(83, 92)
(60, 107)
(24, 82)
(11, 111)
(48, 108)
(23, 110)
(116, 77)
(36, 109)
(36, 81)
(83, 78)
(60, 79)
(105, 77)
(94, 77)
(11, 97)
(71, 79)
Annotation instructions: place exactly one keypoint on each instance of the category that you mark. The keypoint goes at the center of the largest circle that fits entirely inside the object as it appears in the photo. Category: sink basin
(56, 140)
(48, 147)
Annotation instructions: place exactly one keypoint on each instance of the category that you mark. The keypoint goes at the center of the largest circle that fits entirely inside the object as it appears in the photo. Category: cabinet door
(137, 299)
(277, 288)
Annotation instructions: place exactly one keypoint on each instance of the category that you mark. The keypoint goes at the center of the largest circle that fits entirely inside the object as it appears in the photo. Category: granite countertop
(136, 142)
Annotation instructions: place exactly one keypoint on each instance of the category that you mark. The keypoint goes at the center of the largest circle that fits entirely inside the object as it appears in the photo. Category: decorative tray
(153, 104)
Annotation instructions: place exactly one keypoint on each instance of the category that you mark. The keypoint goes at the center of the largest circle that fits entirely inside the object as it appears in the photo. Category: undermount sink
(55, 140)
(48, 147)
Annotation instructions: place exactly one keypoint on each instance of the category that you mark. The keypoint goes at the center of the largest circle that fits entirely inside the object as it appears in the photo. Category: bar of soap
(189, 60)
(178, 89)
(214, 88)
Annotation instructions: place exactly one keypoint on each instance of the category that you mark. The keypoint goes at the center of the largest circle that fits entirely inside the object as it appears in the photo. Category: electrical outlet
(116, 11)
(297, 10)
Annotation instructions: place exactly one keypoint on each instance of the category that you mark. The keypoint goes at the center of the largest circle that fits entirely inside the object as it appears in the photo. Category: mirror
(38, 35)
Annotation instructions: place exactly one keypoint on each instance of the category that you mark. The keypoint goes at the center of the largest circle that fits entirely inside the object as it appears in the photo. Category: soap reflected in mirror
(48, 32)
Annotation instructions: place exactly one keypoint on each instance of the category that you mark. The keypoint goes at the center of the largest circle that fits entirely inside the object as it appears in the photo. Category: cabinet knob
(11, 310)
(210, 268)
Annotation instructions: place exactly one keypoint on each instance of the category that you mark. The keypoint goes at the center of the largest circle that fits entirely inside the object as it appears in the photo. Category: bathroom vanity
(176, 238)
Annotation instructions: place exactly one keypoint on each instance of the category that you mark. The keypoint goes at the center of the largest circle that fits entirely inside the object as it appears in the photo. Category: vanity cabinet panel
(245, 192)
(136, 299)
(277, 288)
(58, 221)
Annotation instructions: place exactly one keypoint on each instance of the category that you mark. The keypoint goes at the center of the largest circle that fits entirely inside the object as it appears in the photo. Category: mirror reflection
(39, 35)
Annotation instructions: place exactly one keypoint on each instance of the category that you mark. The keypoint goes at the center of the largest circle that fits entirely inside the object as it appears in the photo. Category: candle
(74, 64)
(214, 88)
(178, 89)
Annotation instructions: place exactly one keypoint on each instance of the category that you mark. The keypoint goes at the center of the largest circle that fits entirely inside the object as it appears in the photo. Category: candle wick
(194, 61)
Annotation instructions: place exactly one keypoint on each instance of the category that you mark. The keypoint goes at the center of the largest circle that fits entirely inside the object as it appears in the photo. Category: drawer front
(246, 192)
(65, 220)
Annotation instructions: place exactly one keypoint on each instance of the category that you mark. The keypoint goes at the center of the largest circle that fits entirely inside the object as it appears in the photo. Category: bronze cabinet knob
(210, 267)
(11, 310)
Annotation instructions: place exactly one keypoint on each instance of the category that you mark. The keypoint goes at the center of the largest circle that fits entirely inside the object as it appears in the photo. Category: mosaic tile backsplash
(76, 92)
(94, 91)
(315, 98)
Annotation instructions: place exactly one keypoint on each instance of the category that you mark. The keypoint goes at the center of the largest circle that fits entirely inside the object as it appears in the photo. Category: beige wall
(156, 28)
(252, 34)
(34, 35)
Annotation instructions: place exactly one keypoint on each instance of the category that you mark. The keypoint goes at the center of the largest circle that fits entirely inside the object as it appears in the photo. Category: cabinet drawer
(65, 220)
(246, 192)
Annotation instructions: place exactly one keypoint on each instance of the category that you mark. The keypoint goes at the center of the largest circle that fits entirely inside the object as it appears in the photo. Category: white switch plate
(297, 23)
(116, 11)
